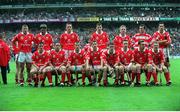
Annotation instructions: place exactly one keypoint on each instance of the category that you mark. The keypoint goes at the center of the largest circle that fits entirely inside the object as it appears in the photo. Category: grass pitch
(13, 97)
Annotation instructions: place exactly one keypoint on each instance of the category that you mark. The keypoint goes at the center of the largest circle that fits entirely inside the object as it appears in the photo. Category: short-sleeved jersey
(146, 37)
(68, 40)
(40, 59)
(94, 57)
(110, 59)
(101, 39)
(156, 58)
(141, 57)
(24, 42)
(46, 39)
(164, 36)
(57, 58)
(77, 58)
(118, 41)
(126, 56)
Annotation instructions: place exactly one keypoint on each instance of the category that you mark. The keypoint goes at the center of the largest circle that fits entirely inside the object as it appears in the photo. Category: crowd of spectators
(28, 14)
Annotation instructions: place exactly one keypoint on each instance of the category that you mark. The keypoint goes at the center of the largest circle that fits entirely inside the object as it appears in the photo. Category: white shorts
(128, 67)
(76, 68)
(97, 67)
(16, 57)
(25, 57)
(166, 52)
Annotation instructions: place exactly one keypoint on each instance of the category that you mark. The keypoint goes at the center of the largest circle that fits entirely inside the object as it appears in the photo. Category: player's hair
(161, 23)
(68, 23)
(140, 41)
(142, 25)
(122, 26)
(24, 25)
(99, 24)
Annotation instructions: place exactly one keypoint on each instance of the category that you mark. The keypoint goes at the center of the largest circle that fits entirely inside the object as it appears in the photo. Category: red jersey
(118, 41)
(46, 39)
(4, 53)
(141, 57)
(101, 39)
(15, 49)
(156, 58)
(24, 42)
(94, 57)
(110, 59)
(77, 58)
(57, 58)
(40, 59)
(164, 36)
(126, 57)
(146, 37)
(87, 47)
(68, 40)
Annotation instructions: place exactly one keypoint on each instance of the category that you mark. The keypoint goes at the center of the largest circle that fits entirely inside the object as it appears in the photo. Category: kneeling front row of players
(104, 62)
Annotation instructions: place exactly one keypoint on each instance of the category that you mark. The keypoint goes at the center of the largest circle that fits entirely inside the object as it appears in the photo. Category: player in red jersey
(126, 56)
(24, 40)
(158, 60)
(94, 63)
(100, 36)
(141, 60)
(44, 37)
(76, 63)
(164, 40)
(110, 58)
(57, 63)
(40, 62)
(118, 40)
(68, 39)
(142, 35)
(15, 50)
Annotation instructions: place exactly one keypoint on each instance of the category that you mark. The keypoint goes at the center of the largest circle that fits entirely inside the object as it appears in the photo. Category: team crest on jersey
(103, 36)
(74, 57)
(39, 38)
(54, 56)
(81, 56)
(22, 37)
(65, 37)
(47, 38)
(36, 57)
(97, 38)
(25, 41)
(72, 36)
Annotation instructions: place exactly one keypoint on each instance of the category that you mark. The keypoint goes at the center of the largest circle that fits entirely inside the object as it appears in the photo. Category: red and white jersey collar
(122, 36)
(41, 33)
(98, 33)
(68, 33)
(24, 34)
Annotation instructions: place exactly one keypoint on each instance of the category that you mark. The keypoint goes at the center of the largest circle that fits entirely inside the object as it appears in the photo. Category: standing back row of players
(22, 43)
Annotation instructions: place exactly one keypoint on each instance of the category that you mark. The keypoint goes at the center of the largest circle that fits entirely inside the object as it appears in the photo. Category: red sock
(154, 74)
(29, 80)
(63, 77)
(139, 77)
(22, 81)
(42, 78)
(133, 76)
(49, 76)
(83, 77)
(69, 77)
(105, 82)
(167, 76)
(148, 76)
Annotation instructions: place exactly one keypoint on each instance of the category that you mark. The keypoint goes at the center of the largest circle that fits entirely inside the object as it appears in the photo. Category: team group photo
(105, 59)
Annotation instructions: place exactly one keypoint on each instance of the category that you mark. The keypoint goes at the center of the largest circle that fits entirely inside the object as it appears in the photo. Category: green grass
(13, 97)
